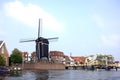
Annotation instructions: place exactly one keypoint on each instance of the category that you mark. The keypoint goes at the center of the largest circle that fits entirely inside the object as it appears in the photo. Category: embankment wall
(43, 66)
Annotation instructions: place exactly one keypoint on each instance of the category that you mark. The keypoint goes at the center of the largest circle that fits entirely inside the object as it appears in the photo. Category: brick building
(56, 56)
(67, 59)
(25, 56)
(33, 57)
(79, 59)
(4, 51)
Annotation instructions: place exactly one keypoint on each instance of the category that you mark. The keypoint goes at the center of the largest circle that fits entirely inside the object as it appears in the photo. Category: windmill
(42, 45)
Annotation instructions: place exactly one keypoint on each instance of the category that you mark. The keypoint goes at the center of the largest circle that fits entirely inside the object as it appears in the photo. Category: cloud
(99, 20)
(111, 40)
(30, 13)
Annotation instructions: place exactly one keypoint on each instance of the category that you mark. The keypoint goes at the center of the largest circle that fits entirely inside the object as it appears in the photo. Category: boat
(4, 70)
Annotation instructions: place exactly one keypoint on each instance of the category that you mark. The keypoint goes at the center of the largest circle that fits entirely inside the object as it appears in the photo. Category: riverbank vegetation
(16, 57)
(2, 60)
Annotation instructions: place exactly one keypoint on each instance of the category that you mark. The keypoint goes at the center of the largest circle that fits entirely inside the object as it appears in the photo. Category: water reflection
(36, 75)
(61, 75)
(25, 75)
(41, 74)
(15, 73)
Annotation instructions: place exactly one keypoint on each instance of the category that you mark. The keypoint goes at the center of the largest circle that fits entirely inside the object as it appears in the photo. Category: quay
(59, 66)
(44, 66)
(92, 67)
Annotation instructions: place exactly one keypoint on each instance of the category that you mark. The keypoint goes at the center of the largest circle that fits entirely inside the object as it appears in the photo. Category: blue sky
(83, 27)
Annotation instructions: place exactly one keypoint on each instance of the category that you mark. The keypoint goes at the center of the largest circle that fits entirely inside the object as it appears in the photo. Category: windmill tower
(42, 45)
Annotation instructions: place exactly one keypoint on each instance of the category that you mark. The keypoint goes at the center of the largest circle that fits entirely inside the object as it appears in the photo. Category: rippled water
(63, 75)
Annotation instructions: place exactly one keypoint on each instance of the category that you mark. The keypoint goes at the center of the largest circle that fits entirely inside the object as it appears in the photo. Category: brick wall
(4, 52)
(44, 66)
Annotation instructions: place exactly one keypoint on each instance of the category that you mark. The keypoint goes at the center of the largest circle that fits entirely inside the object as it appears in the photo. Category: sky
(84, 27)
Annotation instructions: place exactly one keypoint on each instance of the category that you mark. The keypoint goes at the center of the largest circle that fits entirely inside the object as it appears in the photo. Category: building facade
(79, 60)
(4, 52)
(33, 57)
(25, 57)
(56, 56)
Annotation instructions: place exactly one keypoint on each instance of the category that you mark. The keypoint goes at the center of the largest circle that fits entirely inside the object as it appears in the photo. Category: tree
(103, 58)
(110, 58)
(16, 56)
(2, 60)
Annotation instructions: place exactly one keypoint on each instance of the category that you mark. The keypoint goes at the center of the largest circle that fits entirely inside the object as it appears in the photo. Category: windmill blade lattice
(39, 29)
(26, 40)
(53, 39)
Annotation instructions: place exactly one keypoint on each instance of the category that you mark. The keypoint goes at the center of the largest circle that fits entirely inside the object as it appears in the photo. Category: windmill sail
(52, 38)
(39, 29)
(26, 40)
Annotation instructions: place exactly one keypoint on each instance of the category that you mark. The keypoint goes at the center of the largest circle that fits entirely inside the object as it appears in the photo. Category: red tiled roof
(79, 59)
(24, 54)
(56, 53)
(67, 58)
(33, 54)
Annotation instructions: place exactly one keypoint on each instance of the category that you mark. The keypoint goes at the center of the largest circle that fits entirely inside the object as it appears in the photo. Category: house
(4, 51)
(56, 56)
(79, 60)
(117, 63)
(66, 60)
(33, 57)
(25, 56)
(74, 60)
(92, 60)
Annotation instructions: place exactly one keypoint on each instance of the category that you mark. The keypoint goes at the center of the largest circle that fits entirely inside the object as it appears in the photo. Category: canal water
(62, 75)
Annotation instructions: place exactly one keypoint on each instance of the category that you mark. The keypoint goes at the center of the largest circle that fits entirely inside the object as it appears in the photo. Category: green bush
(16, 56)
(2, 60)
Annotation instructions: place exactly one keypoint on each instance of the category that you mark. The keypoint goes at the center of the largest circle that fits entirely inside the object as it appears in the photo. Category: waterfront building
(103, 59)
(117, 64)
(90, 60)
(66, 60)
(33, 57)
(4, 51)
(25, 57)
(56, 56)
(72, 63)
(79, 60)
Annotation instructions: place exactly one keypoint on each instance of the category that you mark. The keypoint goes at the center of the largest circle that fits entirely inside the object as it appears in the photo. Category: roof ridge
(2, 42)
